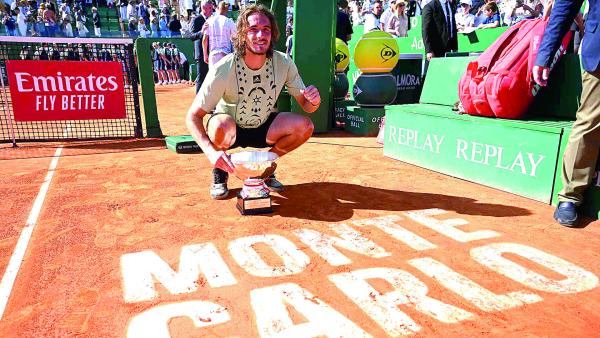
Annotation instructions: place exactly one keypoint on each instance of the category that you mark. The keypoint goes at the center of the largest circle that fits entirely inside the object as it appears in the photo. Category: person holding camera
(523, 9)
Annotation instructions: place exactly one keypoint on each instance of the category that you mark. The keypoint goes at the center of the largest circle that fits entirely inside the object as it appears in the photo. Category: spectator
(131, 10)
(31, 22)
(163, 26)
(186, 26)
(21, 21)
(154, 29)
(10, 24)
(165, 9)
(289, 10)
(25, 53)
(50, 20)
(197, 36)
(216, 42)
(64, 9)
(343, 28)
(372, 18)
(439, 28)
(132, 27)
(492, 18)
(387, 15)
(142, 29)
(187, 7)
(356, 15)
(80, 21)
(67, 28)
(123, 18)
(464, 18)
(143, 12)
(523, 9)
(153, 12)
(289, 41)
(398, 24)
(175, 26)
(97, 23)
(54, 53)
(39, 20)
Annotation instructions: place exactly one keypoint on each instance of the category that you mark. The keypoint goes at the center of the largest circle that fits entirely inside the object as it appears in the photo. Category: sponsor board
(518, 160)
(66, 90)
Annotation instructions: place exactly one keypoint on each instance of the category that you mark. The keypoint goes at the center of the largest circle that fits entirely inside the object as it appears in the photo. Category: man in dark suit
(439, 28)
(581, 154)
(196, 36)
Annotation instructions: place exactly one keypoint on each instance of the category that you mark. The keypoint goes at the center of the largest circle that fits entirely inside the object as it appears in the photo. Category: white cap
(468, 2)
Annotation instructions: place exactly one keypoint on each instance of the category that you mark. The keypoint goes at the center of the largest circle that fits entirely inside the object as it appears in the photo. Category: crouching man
(242, 89)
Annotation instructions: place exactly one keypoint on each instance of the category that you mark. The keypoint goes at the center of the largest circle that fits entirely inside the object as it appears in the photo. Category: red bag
(500, 83)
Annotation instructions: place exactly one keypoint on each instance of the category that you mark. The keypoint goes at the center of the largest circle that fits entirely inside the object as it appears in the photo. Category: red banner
(66, 90)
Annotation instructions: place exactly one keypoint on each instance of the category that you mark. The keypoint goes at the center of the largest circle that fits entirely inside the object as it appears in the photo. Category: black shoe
(273, 184)
(566, 214)
(218, 189)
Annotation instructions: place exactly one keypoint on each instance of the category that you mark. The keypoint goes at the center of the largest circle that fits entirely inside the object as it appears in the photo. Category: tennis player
(242, 89)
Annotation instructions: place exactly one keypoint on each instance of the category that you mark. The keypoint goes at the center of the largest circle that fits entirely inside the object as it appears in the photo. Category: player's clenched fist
(311, 94)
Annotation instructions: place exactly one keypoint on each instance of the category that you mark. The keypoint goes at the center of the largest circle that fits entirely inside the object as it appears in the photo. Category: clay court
(126, 241)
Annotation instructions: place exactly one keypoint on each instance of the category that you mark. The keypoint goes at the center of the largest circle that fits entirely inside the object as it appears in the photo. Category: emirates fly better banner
(66, 90)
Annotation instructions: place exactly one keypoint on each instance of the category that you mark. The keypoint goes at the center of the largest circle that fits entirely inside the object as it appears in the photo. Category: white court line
(8, 280)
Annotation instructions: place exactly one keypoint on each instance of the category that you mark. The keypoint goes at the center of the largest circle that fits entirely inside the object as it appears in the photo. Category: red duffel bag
(499, 82)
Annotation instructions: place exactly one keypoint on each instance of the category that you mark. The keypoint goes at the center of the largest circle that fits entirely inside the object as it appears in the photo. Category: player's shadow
(335, 202)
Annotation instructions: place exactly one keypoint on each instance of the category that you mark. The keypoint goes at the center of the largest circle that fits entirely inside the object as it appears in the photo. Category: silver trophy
(252, 167)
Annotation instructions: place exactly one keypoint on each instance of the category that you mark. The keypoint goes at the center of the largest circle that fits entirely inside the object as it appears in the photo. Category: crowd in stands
(392, 15)
(45, 18)
(81, 18)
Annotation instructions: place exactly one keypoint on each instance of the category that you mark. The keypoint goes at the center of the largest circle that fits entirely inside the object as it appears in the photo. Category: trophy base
(254, 205)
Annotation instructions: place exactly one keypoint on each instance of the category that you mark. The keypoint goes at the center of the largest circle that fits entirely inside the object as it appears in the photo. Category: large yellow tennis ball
(342, 55)
(376, 52)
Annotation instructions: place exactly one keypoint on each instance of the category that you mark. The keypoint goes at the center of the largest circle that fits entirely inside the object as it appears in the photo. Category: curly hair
(239, 40)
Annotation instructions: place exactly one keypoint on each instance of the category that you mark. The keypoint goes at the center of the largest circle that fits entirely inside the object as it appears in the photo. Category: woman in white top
(398, 25)
(464, 19)
(356, 14)
(186, 25)
(67, 27)
(142, 29)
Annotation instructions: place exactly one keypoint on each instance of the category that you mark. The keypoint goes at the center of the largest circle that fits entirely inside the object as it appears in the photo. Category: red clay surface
(109, 199)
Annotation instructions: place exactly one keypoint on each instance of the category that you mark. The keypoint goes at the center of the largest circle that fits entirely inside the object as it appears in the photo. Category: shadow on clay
(335, 202)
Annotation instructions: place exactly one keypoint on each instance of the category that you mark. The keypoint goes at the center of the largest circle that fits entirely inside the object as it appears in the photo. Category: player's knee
(307, 127)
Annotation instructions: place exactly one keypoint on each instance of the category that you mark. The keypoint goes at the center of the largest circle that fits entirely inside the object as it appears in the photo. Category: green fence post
(142, 46)
(278, 7)
(313, 52)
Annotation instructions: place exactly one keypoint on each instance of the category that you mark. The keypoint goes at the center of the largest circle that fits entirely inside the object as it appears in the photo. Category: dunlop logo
(387, 53)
